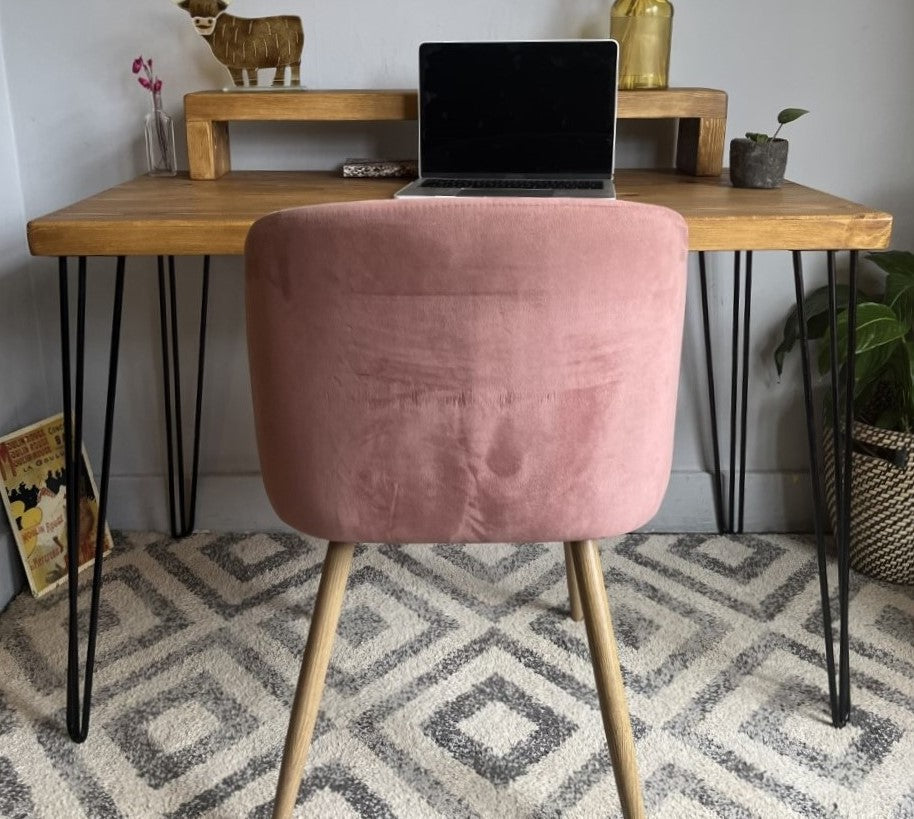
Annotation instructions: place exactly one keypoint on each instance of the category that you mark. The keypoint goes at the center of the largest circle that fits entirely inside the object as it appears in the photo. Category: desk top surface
(177, 216)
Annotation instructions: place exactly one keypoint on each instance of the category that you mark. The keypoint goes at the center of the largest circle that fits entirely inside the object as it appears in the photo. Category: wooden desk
(177, 216)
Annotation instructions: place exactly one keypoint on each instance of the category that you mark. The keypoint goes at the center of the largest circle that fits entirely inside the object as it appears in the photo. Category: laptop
(532, 118)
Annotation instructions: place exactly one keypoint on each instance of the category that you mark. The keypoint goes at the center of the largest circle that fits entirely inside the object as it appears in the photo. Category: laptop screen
(544, 108)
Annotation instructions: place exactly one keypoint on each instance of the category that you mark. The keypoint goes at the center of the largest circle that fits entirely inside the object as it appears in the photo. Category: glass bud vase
(160, 143)
(643, 29)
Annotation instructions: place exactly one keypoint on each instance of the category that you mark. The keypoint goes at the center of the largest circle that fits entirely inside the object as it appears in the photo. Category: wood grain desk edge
(99, 234)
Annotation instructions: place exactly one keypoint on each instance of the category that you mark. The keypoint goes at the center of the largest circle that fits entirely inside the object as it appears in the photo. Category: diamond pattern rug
(459, 686)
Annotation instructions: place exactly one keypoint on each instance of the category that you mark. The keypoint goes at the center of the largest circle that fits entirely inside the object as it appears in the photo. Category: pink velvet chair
(487, 370)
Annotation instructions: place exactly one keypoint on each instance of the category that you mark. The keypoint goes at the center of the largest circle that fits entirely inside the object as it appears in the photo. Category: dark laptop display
(543, 109)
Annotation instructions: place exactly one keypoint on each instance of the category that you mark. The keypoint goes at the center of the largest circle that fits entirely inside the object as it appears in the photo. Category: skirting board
(775, 502)
(12, 578)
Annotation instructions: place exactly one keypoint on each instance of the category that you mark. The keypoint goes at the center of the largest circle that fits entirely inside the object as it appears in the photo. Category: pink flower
(147, 79)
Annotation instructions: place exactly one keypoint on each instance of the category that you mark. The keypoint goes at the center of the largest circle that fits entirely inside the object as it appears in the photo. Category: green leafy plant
(884, 349)
(787, 115)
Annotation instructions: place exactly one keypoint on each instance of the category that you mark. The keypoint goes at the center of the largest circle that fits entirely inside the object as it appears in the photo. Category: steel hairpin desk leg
(838, 677)
(182, 518)
(739, 395)
(838, 689)
(78, 717)
(712, 394)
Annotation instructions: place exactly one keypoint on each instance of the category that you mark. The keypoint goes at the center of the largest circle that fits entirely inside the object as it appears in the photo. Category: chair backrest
(466, 370)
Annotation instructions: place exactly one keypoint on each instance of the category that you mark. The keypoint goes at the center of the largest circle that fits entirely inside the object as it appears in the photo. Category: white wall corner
(23, 383)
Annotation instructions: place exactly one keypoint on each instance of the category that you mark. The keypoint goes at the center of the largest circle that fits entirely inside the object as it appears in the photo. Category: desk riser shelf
(701, 112)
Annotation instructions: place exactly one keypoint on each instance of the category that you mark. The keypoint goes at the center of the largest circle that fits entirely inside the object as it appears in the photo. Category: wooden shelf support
(702, 115)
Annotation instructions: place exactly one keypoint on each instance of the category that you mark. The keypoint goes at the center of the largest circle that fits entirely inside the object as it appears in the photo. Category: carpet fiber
(459, 686)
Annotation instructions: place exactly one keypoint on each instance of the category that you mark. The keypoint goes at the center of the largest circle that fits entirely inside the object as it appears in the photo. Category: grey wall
(76, 115)
(23, 396)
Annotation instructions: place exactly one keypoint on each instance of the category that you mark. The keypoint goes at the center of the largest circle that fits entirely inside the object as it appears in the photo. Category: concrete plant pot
(757, 164)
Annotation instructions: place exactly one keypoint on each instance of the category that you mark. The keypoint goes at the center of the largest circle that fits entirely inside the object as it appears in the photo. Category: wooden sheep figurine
(244, 45)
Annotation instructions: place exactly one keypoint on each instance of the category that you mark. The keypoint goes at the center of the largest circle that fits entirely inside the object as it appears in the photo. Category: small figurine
(244, 45)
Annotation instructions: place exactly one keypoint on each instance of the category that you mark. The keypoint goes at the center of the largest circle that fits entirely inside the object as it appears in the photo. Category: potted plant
(759, 160)
(882, 439)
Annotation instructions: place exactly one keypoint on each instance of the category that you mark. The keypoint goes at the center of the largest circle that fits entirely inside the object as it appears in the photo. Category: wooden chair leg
(327, 606)
(577, 613)
(608, 674)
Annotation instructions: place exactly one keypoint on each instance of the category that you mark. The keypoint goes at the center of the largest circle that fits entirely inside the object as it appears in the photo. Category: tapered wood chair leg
(608, 674)
(314, 665)
(574, 596)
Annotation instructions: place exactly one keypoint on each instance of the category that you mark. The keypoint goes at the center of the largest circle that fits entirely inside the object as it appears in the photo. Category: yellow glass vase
(643, 29)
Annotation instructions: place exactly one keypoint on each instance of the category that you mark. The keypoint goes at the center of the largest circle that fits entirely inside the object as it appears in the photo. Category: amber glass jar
(643, 29)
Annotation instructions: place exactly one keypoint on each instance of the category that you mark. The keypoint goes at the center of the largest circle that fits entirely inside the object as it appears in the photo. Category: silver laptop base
(419, 188)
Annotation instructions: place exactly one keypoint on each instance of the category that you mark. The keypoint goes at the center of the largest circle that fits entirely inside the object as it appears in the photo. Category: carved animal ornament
(243, 45)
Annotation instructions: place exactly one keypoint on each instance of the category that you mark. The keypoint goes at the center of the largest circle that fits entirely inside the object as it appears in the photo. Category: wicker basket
(882, 501)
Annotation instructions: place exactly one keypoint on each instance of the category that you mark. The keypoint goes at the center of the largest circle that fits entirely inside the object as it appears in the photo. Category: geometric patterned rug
(459, 686)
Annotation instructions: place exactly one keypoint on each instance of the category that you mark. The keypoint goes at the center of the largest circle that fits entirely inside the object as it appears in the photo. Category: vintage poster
(34, 493)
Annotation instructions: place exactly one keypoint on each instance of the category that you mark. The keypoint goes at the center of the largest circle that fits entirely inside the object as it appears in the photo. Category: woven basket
(882, 501)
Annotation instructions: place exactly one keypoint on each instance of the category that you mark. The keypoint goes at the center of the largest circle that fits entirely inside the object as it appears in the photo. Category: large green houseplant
(882, 511)
(884, 359)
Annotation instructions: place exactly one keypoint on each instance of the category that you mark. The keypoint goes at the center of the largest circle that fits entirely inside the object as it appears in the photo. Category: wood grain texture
(574, 595)
(399, 104)
(175, 215)
(672, 103)
(208, 150)
(700, 146)
(318, 649)
(608, 676)
(301, 106)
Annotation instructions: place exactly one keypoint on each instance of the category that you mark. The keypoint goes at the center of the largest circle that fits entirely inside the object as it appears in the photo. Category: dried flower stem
(154, 85)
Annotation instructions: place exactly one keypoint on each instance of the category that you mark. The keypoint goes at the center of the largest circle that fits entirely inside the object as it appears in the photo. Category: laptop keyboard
(516, 184)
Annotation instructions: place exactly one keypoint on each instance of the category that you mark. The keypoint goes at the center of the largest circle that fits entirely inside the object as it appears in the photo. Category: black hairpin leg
(182, 508)
(712, 397)
(739, 396)
(844, 682)
(838, 683)
(744, 402)
(734, 377)
(78, 716)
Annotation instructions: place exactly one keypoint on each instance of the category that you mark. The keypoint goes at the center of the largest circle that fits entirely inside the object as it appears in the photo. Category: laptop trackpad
(505, 192)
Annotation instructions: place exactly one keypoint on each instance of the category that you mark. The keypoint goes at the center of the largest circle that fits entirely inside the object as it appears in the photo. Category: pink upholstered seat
(454, 370)
(471, 371)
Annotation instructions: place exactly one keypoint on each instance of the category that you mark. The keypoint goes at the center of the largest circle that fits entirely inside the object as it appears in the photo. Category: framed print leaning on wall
(34, 484)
